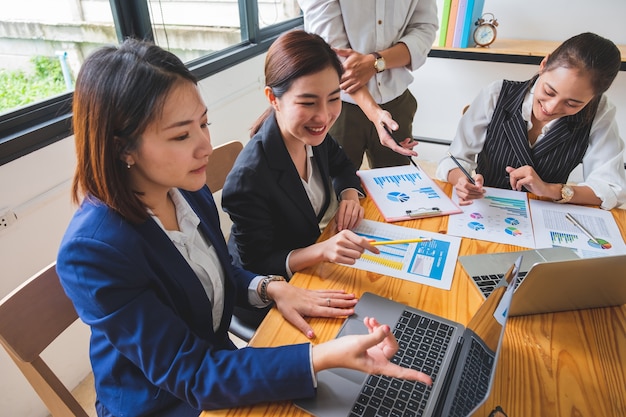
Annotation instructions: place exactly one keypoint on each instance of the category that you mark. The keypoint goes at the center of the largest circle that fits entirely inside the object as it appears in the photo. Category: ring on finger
(328, 302)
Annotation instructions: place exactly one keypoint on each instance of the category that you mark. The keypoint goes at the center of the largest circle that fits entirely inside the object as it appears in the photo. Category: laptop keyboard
(487, 283)
(474, 380)
(423, 343)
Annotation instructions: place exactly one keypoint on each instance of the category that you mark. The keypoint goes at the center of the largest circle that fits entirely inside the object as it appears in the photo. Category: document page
(430, 263)
(501, 216)
(596, 235)
(405, 192)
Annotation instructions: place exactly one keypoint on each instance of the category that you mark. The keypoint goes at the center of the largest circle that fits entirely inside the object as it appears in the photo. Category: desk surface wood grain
(560, 364)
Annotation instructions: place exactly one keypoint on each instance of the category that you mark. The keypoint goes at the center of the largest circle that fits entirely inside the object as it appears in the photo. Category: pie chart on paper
(602, 244)
(513, 231)
(476, 226)
(398, 197)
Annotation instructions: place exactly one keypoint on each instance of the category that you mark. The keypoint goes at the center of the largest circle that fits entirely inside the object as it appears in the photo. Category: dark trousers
(358, 136)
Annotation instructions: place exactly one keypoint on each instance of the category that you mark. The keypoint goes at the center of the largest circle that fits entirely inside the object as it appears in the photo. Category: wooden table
(559, 364)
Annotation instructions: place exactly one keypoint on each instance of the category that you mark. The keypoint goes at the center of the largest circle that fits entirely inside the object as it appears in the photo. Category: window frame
(33, 127)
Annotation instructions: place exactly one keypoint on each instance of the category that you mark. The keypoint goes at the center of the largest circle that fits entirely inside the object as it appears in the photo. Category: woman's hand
(350, 212)
(345, 247)
(465, 190)
(527, 177)
(296, 303)
(367, 353)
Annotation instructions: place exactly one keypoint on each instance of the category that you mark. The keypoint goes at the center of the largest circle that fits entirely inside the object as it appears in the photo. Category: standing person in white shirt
(381, 43)
(530, 135)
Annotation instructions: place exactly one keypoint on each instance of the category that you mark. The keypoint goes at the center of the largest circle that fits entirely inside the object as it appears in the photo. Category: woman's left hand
(350, 212)
(296, 303)
(527, 177)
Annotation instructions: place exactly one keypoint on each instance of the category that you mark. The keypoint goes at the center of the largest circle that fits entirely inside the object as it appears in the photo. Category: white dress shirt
(368, 26)
(603, 163)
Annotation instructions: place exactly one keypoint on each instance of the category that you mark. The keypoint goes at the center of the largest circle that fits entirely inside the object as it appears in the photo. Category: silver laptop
(461, 361)
(571, 285)
(486, 270)
(562, 285)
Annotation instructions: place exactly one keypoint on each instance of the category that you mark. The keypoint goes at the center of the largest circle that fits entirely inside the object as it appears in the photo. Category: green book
(443, 27)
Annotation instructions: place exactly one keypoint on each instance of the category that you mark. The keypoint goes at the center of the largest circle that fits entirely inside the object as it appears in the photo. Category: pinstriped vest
(553, 157)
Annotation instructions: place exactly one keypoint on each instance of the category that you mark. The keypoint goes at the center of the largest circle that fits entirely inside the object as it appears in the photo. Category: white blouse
(603, 163)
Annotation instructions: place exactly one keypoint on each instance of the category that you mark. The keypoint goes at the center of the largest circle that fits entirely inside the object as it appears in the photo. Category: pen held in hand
(390, 133)
(469, 177)
(400, 241)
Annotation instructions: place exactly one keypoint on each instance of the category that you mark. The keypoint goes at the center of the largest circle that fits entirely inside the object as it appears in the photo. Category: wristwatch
(567, 193)
(264, 284)
(379, 63)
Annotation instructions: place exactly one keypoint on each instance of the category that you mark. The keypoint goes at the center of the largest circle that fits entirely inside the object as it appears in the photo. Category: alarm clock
(485, 32)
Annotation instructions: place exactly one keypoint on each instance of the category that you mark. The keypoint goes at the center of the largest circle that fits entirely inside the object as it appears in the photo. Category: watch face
(380, 64)
(484, 35)
(567, 192)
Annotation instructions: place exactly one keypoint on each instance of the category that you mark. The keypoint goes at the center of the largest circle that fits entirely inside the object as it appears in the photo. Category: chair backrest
(31, 318)
(220, 164)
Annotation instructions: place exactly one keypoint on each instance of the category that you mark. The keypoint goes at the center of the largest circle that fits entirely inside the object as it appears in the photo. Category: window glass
(43, 44)
(272, 12)
(195, 28)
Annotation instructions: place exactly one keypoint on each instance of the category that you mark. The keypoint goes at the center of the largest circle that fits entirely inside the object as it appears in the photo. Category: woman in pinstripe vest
(530, 135)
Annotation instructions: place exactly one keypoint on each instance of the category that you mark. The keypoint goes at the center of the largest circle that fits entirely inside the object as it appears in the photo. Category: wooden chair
(220, 163)
(31, 318)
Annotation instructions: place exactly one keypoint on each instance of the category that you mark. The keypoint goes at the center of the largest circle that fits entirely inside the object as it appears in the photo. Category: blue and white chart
(553, 229)
(402, 189)
(430, 263)
(501, 216)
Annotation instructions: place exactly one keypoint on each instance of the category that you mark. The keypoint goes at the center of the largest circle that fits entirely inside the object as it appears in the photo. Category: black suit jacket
(266, 201)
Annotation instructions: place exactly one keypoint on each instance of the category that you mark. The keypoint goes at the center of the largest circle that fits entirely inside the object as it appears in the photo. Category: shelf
(515, 51)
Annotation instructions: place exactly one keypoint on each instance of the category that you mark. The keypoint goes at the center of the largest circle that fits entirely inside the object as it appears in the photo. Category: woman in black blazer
(292, 177)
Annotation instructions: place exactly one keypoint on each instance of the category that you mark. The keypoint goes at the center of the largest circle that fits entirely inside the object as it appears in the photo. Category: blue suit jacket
(269, 207)
(152, 342)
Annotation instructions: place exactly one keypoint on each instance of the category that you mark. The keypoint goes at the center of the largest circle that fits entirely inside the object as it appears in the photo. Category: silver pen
(571, 218)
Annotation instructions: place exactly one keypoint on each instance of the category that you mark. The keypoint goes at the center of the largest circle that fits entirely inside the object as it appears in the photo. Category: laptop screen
(472, 379)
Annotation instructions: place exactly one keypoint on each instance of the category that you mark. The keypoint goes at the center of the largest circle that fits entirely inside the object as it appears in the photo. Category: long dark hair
(119, 92)
(597, 56)
(293, 55)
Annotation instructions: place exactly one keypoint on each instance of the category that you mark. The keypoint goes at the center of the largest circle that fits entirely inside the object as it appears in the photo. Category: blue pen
(469, 177)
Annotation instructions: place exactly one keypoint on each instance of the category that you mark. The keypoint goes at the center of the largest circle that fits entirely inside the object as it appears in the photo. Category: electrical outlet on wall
(7, 218)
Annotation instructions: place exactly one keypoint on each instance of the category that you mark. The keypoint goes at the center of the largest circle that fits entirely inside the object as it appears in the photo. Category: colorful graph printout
(430, 263)
(500, 216)
(553, 229)
(396, 190)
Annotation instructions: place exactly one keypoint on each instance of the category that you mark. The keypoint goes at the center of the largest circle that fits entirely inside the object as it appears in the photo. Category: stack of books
(458, 21)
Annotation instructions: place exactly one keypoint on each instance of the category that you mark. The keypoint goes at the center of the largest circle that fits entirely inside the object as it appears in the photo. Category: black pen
(390, 133)
(469, 177)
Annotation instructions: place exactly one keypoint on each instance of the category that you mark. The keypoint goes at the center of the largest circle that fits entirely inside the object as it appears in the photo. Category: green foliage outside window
(19, 88)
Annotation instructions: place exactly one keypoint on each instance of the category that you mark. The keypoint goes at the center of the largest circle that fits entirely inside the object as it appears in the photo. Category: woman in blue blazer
(292, 177)
(146, 266)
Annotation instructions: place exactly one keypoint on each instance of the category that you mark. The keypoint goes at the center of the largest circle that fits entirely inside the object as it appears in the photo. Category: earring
(128, 166)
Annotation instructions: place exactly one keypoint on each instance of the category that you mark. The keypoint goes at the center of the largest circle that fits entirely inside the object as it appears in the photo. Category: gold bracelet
(265, 283)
